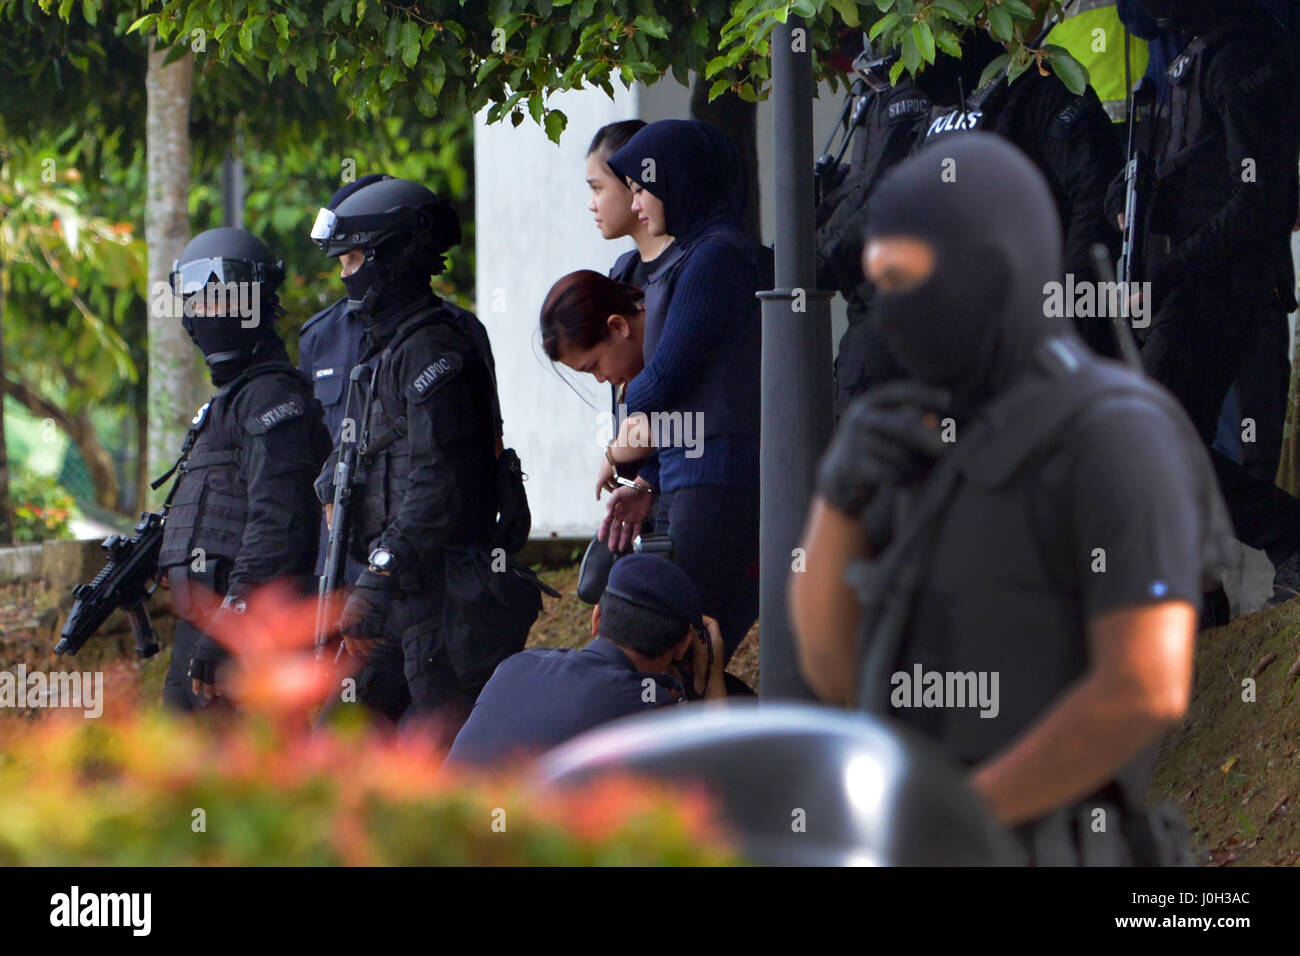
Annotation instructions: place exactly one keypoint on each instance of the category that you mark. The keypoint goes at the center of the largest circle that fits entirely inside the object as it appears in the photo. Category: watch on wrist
(382, 561)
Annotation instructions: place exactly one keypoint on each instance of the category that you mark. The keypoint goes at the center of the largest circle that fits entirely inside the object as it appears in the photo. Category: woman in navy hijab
(696, 401)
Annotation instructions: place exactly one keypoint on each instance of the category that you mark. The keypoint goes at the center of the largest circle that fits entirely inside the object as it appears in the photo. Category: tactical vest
(210, 504)
(884, 138)
(1000, 108)
(1190, 180)
(386, 451)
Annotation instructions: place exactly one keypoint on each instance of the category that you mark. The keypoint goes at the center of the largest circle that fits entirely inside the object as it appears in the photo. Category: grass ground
(1233, 767)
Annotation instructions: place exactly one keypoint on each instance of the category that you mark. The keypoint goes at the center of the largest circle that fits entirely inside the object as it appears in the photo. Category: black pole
(796, 385)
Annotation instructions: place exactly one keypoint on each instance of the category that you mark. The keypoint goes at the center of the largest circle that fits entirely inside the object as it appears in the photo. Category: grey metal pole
(232, 189)
(796, 386)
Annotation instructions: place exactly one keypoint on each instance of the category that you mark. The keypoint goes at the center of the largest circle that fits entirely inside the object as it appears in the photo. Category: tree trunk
(176, 385)
(6, 511)
(77, 427)
(738, 120)
(142, 473)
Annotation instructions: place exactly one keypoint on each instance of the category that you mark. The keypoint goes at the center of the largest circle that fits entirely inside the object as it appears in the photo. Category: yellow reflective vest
(1094, 35)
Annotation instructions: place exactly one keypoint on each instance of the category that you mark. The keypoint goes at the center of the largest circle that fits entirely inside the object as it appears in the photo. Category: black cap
(655, 583)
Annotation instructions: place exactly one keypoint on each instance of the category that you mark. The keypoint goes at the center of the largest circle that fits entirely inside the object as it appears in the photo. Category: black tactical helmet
(234, 271)
(801, 785)
(404, 229)
(385, 209)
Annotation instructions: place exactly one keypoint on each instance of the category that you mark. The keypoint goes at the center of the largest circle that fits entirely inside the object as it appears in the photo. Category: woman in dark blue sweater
(696, 401)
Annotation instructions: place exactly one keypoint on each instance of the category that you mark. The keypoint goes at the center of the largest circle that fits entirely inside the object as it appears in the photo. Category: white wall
(532, 227)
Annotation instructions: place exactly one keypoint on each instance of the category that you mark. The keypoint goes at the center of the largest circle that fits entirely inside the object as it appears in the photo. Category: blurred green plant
(508, 56)
(43, 509)
(256, 785)
(153, 790)
(71, 282)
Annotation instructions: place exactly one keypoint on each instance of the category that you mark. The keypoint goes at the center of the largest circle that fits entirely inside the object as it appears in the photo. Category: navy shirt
(328, 349)
(540, 698)
(329, 346)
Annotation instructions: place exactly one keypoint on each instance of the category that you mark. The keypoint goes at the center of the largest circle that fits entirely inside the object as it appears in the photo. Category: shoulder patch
(259, 423)
(907, 108)
(1070, 120)
(1178, 69)
(434, 376)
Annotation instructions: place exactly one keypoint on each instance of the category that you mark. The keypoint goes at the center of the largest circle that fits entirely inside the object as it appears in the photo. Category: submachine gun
(131, 574)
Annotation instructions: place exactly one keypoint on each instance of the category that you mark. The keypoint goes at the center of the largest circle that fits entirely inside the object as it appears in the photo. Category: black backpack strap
(373, 446)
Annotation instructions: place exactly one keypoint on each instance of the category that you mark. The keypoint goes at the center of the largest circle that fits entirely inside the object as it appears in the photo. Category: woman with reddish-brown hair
(692, 393)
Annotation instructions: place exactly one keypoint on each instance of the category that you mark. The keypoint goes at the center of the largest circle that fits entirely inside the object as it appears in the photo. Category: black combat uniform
(1225, 197)
(330, 347)
(243, 512)
(429, 484)
(432, 476)
(1072, 488)
(886, 135)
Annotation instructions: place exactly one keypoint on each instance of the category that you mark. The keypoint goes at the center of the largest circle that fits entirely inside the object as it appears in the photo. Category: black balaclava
(229, 343)
(403, 229)
(990, 217)
(396, 268)
(697, 173)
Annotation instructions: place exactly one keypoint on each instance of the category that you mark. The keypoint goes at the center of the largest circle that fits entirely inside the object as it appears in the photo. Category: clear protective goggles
(323, 227)
(189, 278)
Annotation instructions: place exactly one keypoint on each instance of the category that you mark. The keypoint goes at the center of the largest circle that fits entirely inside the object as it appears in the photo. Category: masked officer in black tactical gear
(330, 345)
(243, 512)
(1070, 138)
(1027, 528)
(1219, 234)
(886, 119)
(427, 498)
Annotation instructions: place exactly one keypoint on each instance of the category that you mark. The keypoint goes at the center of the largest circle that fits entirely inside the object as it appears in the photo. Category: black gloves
(208, 657)
(882, 442)
(367, 608)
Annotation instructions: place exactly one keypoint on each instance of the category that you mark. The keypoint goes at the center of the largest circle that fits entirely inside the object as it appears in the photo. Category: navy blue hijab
(697, 173)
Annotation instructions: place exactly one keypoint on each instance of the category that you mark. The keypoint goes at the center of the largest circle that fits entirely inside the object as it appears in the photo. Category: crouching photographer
(648, 651)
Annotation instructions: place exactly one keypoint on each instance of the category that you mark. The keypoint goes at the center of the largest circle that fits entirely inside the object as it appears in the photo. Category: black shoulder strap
(224, 393)
(422, 319)
(409, 327)
(887, 585)
(191, 436)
